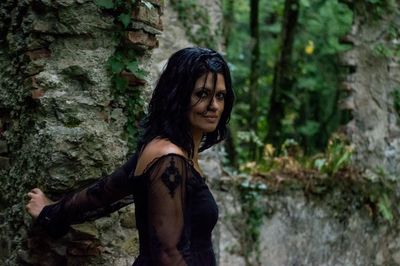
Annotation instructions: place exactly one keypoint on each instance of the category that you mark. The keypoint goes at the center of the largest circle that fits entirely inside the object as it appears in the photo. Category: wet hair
(167, 115)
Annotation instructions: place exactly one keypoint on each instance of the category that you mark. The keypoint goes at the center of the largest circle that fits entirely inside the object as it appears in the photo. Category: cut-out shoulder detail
(156, 149)
(181, 157)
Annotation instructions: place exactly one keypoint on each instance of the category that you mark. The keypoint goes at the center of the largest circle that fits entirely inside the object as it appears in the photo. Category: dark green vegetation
(295, 91)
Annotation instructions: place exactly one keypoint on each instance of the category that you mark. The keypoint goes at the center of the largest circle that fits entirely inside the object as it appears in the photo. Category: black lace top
(175, 211)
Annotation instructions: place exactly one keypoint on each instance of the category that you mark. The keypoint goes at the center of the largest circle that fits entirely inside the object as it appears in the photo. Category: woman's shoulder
(155, 149)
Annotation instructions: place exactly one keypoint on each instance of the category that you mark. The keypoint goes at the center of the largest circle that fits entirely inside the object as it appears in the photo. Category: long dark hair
(169, 105)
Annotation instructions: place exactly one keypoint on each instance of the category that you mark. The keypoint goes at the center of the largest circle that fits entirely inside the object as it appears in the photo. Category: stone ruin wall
(372, 83)
(61, 125)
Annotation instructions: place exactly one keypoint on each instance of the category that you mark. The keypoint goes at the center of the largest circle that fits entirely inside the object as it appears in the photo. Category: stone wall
(300, 227)
(372, 85)
(61, 125)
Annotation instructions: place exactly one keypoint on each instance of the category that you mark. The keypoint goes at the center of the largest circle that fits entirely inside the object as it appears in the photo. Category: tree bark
(283, 78)
(254, 66)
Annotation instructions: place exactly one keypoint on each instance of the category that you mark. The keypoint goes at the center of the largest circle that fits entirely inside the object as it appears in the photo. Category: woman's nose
(213, 105)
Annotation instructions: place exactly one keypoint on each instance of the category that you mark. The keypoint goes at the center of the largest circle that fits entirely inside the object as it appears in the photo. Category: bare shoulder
(155, 149)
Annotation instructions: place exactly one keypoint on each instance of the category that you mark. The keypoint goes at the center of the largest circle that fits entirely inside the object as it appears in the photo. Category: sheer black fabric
(175, 211)
(97, 200)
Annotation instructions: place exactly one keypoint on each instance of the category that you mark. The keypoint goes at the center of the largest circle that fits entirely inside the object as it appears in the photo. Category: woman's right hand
(37, 202)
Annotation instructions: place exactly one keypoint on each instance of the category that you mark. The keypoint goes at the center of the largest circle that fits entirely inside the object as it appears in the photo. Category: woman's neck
(197, 136)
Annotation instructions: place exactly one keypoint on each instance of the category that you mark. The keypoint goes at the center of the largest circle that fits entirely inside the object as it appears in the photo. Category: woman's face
(207, 103)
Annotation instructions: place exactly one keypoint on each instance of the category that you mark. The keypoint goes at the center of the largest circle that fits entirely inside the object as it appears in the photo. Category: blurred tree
(254, 69)
(283, 74)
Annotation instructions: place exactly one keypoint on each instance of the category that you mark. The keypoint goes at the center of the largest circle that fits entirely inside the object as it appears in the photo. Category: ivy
(125, 64)
(251, 194)
(396, 100)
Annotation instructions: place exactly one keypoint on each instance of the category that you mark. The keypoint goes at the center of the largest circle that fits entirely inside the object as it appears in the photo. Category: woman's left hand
(37, 202)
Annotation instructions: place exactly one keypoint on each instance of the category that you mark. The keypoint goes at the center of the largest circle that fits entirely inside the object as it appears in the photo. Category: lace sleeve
(97, 200)
(167, 204)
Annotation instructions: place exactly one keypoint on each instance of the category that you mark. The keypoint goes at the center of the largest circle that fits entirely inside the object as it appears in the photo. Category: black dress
(175, 211)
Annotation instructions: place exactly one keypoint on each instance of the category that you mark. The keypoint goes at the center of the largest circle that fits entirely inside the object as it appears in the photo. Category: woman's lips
(211, 119)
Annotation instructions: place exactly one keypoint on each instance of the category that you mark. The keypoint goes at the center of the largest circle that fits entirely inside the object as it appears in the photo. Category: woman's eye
(221, 96)
(202, 94)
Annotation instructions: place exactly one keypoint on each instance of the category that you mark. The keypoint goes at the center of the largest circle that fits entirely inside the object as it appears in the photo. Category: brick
(38, 54)
(151, 16)
(3, 147)
(141, 38)
(4, 163)
(37, 94)
(132, 79)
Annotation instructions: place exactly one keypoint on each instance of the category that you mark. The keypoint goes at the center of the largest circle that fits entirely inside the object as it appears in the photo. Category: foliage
(126, 60)
(327, 175)
(390, 48)
(380, 8)
(196, 21)
(337, 156)
(396, 100)
(253, 210)
(311, 113)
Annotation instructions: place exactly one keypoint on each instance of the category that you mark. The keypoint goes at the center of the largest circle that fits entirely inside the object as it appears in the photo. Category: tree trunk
(254, 70)
(254, 66)
(283, 79)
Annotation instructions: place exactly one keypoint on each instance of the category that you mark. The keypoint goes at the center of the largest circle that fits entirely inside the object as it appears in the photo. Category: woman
(175, 211)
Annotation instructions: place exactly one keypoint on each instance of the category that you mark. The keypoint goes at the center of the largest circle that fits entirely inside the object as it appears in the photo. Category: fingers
(34, 192)
(37, 190)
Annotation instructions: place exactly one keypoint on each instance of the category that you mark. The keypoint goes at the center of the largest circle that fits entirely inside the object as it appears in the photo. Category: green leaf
(384, 208)
(116, 65)
(107, 4)
(125, 19)
(310, 128)
(121, 83)
(345, 158)
(133, 66)
(141, 73)
(319, 163)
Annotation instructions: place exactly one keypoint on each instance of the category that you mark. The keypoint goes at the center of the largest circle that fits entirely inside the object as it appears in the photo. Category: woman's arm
(167, 204)
(97, 200)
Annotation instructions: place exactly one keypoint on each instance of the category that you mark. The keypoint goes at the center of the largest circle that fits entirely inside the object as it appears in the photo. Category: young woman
(175, 211)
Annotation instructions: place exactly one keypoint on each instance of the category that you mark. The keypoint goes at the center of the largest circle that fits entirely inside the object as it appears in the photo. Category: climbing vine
(251, 194)
(124, 65)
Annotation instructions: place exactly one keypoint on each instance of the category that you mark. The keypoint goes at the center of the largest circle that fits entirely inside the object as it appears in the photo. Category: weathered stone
(84, 248)
(4, 163)
(3, 150)
(137, 25)
(38, 54)
(34, 67)
(147, 15)
(372, 84)
(141, 38)
(71, 135)
(128, 220)
(87, 229)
